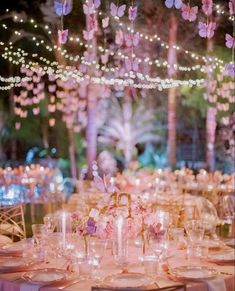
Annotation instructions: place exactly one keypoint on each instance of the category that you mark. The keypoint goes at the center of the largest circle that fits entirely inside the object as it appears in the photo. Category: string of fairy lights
(19, 57)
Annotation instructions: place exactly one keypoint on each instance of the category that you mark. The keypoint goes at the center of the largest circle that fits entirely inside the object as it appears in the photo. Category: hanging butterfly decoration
(63, 36)
(132, 65)
(189, 13)
(173, 3)
(206, 30)
(117, 11)
(132, 40)
(207, 6)
(230, 41)
(231, 6)
(105, 22)
(119, 38)
(62, 8)
(132, 13)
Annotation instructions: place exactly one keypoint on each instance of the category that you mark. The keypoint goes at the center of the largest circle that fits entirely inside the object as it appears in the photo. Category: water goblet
(50, 221)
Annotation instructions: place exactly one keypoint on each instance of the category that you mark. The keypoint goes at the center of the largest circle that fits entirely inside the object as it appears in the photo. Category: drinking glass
(195, 230)
(150, 264)
(120, 254)
(176, 234)
(50, 221)
(97, 248)
(39, 233)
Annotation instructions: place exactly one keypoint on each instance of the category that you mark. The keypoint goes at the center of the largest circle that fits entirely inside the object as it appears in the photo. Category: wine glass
(39, 233)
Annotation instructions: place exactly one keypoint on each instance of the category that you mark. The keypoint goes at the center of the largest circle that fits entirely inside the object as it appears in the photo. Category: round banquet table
(225, 280)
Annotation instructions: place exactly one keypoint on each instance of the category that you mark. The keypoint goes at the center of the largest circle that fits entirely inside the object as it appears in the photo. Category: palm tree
(126, 126)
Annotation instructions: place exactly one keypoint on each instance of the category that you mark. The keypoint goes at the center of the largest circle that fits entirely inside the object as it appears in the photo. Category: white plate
(129, 280)
(45, 276)
(212, 244)
(222, 257)
(14, 263)
(15, 248)
(193, 273)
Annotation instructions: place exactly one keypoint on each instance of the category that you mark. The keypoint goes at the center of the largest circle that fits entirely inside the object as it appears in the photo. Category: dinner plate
(195, 273)
(129, 280)
(15, 248)
(14, 263)
(212, 244)
(222, 257)
(45, 276)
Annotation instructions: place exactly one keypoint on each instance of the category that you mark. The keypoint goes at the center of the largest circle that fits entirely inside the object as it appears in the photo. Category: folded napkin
(216, 285)
(29, 287)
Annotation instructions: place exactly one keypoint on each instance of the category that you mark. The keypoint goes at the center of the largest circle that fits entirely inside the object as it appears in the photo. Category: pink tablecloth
(223, 282)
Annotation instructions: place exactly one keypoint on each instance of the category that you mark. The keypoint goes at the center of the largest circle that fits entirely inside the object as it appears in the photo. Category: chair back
(12, 222)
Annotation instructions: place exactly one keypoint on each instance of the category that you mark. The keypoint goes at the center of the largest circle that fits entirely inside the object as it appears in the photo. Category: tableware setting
(16, 249)
(193, 273)
(45, 276)
(15, 264)
(225, 257)
(128, 280)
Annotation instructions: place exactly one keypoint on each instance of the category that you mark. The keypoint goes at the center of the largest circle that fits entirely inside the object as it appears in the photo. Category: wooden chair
(12, 223)
(169, 288)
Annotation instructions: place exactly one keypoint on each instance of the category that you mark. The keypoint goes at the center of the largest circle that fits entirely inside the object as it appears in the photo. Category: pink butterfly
(92, 23)
(230, 69)
(207, 6)
(171, 3)
(231, 6)
(104, 58)
(63, 7)
(132, 65)
(206, 30)
(117, 11)
(132, 40)
(189, 13)
(230, 41)
(88, 35)
(63, 36)
(105, 22)
(119, 38)
(132, 13)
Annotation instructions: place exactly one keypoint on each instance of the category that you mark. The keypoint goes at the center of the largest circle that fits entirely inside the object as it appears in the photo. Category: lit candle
(119, 234)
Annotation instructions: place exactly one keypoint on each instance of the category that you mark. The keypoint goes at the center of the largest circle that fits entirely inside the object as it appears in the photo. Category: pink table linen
(223, 282)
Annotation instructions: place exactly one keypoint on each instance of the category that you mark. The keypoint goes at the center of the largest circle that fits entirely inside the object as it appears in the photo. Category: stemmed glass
(195, 230)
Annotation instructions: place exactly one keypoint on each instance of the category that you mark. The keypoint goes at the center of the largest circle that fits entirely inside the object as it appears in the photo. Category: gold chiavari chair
(12, 222)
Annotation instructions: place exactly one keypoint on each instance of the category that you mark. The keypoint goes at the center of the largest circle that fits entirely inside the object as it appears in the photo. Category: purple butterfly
(132, 65)
(172, 3)
(189, 13)
(63, 7)
(132, 40)
(206, 30)
(230, 41)
(231, 6)
(117, 11)
(88, 9)
(230, 69)
(207, 6)
(105, 22)
(63, 36)
(132, 13)
(88, 34)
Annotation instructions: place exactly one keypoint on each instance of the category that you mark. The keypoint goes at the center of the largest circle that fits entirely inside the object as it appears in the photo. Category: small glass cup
(150, 264)
(176, 234)
(39, 233)
(50, 221)
(97, 248)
